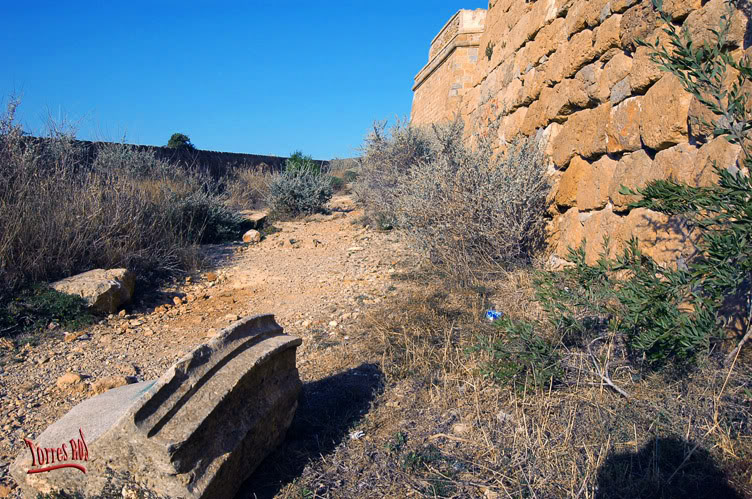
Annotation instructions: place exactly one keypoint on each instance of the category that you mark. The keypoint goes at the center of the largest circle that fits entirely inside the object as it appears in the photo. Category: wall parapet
(464, 29)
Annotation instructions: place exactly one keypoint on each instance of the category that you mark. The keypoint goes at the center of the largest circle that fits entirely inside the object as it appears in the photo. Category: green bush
(299, 161)
(670, 314)
(179, 141)
(299, 191)
(337, 183)
(203, 219)
(518, 356)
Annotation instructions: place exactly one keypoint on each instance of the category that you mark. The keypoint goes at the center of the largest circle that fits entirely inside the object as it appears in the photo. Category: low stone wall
(571, 72)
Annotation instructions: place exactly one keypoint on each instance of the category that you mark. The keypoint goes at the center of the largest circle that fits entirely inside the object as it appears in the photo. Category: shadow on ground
(327, 410)
(663, 470)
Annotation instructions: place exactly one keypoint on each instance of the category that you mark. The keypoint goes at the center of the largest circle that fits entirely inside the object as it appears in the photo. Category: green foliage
(490, 50)
(337, 183)
(179, 141)
(33, 309)
(672, 313)
(652, 306)
(299, 191)
(350, 176)
(299, 161)
(518, 356)
(203, 219)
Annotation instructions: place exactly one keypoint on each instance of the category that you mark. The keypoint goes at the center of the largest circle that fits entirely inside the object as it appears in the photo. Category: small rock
(52, 326)
(232, 317)
(460, 428)
(211, 276)
(177, 301)
(306, 324)
(355, 248)
(188, 280)
(69, 337)
(69, 379)
(121, 313)
(160, 309)
(333, 324)
(110, 382)
(252, 236)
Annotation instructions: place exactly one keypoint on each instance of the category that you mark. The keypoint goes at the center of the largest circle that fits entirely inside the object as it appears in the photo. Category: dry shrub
(468, 209)
(465, 209)
(387, 157)
(61, 214)
(248, 188)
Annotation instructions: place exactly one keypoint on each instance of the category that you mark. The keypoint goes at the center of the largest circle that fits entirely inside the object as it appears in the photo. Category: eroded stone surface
(104, 290)
(198, 431)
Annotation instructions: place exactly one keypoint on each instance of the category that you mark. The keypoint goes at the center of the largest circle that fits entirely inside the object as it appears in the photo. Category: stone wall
(441, 84)
(570, 71)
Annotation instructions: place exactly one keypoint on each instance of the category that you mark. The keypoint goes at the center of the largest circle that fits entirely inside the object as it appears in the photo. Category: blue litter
(493, 315)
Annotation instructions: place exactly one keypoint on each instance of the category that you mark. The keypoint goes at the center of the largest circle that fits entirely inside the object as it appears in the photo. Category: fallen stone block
(104, 290)
(257, 219)
(197, 432)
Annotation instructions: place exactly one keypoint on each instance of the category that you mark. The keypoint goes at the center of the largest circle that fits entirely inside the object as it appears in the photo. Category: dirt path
(316, 275)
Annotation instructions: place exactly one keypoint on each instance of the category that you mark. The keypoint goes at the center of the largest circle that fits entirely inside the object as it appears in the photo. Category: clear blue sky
(257, 76)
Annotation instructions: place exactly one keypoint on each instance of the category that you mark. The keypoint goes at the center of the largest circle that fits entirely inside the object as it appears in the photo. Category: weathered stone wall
(440, 85)
(570, 70)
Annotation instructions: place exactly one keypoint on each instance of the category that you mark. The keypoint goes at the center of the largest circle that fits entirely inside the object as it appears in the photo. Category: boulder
(197, 432)
(104, 290)
(256, 219)
(252, 236)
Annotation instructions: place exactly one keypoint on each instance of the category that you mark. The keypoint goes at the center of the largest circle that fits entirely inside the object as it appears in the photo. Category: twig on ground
(603, 373)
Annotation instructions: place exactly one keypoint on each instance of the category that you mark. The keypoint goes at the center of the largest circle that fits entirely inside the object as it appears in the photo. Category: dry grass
(248, 188)
(434, 426)
(60, 213)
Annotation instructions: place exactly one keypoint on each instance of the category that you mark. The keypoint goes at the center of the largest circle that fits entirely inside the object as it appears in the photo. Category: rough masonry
(571, 72)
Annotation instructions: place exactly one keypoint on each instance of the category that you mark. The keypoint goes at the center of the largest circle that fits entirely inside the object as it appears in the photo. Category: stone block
(599, 227)
(664, 120)
(580, 51)
(567, 97)
(548, 39)
(679, 9)
(700, 22)
(607, 35)
(584, 133)
(623, 128)
(197, 432)
(663, 238)
(593, 192)
(568, 232)
(678, 162)
(578, 172)
(636, 23)
(104, 290)
(644, 71)
(719, 152)
(634, 171)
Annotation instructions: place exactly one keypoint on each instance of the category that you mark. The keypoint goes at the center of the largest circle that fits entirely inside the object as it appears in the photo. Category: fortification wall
(449, 74)
(570, 71)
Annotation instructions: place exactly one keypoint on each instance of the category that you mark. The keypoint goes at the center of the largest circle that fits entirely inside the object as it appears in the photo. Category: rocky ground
(316, 275)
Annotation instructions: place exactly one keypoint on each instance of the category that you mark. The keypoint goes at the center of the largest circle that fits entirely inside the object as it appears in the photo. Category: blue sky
(257, 76)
